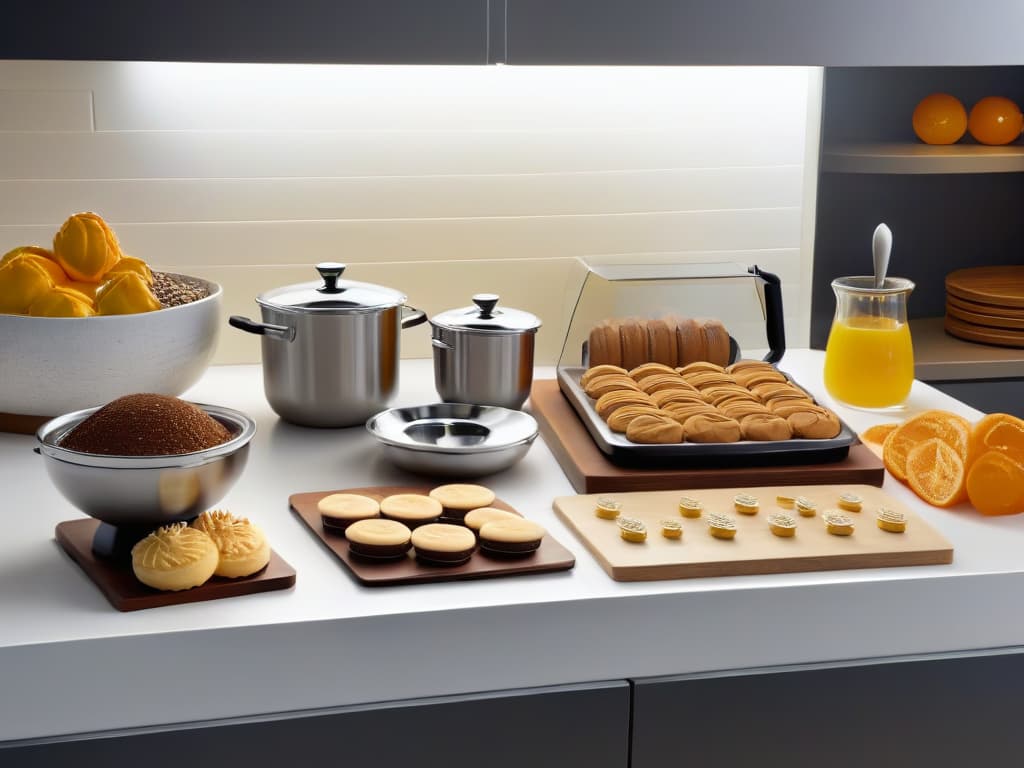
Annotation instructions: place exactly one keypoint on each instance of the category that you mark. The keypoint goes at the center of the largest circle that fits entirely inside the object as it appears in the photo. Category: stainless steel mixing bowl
(142, 491)
(453, 439)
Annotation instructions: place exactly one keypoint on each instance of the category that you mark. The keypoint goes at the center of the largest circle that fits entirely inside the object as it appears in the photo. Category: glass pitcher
(869, 358)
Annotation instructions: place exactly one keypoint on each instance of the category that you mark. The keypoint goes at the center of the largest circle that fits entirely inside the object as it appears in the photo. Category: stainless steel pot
(330, 348)
(483, 354)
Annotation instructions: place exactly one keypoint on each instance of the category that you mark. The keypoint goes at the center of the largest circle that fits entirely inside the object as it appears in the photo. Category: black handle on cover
(769, 288)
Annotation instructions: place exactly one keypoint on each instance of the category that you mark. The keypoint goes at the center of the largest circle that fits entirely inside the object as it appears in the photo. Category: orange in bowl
(995, 120)
(940, 119)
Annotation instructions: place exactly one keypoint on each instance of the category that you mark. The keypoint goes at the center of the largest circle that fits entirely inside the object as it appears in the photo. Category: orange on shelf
(940, 119)
(995, 120)
(935, 472)
(952, 429)
(995, 484)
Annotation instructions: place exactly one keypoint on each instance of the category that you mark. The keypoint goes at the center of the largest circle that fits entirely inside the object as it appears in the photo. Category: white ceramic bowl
(53, 365)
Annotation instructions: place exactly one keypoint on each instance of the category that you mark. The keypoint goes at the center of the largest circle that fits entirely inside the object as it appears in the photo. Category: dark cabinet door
(584, 725)
(962, 712)
(341, 31)
(776, 32)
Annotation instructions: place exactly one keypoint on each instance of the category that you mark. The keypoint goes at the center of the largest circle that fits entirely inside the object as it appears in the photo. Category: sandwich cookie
(850, 502)
(516, 537)
(175, 557)
(746, 504)
(476, 518)
(411, 509)
(378, 539)
(459, 498)
(443, 544)
(339, 510)
(805, 506)
(243, 548)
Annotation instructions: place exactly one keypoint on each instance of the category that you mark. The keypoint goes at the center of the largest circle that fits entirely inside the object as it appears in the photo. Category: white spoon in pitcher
(881, 247)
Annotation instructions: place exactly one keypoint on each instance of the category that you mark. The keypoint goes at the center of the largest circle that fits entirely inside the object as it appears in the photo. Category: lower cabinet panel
(963, 712)
(584, 725)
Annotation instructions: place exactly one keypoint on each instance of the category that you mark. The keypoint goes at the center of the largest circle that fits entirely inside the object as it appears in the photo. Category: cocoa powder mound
(146, 425)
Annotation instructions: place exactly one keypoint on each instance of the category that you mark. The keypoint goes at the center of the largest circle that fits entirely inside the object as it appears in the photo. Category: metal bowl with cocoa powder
(142, 491)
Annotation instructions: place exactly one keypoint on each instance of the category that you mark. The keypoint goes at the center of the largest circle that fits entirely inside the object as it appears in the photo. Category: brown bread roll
(621, 417)
(654, 429)
(649, 369)
(711, 428)
(609, 402)
(762, 426)
(602, 384)
(716, 341)
(661, 381)
(600, 370)
(689, 342)
(815, 425)
(661, 342)
(633, 336)
(604, 346)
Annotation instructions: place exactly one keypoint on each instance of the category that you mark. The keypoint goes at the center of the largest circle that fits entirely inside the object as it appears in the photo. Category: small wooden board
(590, 471)
(1000, 337)
(126, 593)
(21, 424)
(755, 549)
(551, 556)
(1001, 285)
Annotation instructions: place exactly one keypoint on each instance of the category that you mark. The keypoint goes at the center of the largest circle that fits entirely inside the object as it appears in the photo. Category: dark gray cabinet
(953, 713)
(584, 725)
(338, 31)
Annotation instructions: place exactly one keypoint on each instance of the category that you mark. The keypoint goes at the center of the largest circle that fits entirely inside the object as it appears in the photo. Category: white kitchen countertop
(70, 663)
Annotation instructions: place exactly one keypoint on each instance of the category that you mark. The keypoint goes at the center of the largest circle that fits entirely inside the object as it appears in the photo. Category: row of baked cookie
(672, 341)
(751, 400)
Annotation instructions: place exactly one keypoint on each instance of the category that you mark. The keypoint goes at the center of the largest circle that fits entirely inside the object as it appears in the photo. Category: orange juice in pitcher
(869, 358)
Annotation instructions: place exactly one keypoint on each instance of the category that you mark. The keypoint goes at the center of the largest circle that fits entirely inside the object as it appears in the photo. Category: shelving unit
(941, 357)
(893, 157)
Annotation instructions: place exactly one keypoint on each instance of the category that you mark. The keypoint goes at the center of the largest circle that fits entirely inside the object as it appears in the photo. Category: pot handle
(440, 344)
(411, 316)
(282, 332)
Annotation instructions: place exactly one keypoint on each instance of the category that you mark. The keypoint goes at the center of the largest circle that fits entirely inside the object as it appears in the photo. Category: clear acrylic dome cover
(747, 300)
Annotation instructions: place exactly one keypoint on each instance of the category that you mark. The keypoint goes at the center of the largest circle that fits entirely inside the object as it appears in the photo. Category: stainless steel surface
(145, 490)
(484, 354)
(337, 364)
(453, 439)
(613, 443)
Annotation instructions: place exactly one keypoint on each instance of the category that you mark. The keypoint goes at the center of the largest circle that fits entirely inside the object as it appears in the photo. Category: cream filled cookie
(411, 509)
(806, 507)
(443, 544)
(516, 537)
(339, 510)
(476, 518)
(242, 547)
(850, 502)
(458, 498)
(837, 523)
(721, 526)
(746, 504)
(175, 557)
(378, 539)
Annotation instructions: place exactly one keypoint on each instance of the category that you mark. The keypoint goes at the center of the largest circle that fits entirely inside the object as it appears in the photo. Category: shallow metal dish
(143, 491)
(453, 439)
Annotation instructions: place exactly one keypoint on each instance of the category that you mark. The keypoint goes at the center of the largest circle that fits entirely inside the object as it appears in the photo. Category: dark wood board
(551, 556)
(989, 310)
(21, 424)
(590, 471)
(126, 593)
(981, 319)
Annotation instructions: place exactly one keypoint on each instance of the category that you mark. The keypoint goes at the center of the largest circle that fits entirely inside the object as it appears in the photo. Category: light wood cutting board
(755, 549)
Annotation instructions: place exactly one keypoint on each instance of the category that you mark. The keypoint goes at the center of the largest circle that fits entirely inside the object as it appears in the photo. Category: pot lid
(331, 295)
(487, 316)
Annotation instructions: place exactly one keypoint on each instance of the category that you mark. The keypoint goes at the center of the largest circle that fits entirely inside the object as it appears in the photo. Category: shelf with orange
(914, 157)
(941, 357)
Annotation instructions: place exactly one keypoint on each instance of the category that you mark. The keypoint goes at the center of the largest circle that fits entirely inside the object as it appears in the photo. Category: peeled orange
(939, 119)
(995, 120)
(998, 432)
(950, 428)
(935, 472)
(995, 484)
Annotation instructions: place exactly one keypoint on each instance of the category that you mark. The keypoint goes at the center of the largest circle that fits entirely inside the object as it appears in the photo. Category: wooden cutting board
(754, 549)
(1002, 337)
(1002, 286)
(590, 471)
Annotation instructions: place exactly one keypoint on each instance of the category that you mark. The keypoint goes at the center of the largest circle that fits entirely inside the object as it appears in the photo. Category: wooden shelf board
(916, 158)
(941, 357)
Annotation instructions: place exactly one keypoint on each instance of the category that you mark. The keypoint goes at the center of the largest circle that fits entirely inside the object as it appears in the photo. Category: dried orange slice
(998, 432)
(878, 433)
(995, 484)
(935, 472)
(952, 429)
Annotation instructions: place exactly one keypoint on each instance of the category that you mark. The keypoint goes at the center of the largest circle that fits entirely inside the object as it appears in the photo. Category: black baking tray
(695, 455)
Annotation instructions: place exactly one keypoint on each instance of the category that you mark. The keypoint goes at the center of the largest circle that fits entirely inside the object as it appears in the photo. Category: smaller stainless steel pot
(484, 354)
(330, 348)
